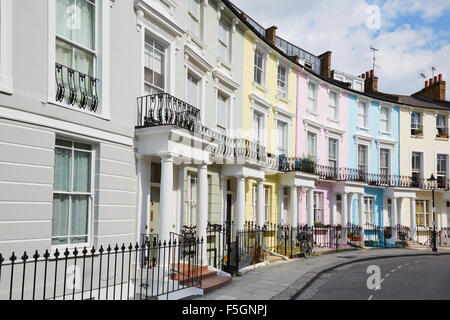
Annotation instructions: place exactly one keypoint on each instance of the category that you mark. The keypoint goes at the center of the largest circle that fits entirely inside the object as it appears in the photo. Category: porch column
(311, 207)
(444, 221)
(350, 208)
(362, 218)
(224, 191)
(202, 208)
(399, 214)
(143, 195)
(240, 203)
(180, 220)
(413, 218)
(260, 204)
(166, 197)
(394, 212)
(294, 206)
(344, 210)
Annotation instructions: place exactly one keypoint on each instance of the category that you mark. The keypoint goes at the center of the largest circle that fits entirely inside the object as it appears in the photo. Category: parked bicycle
(306, 243)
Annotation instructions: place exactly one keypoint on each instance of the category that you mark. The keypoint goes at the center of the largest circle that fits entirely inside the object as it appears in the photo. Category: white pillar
(332, 208)
(350, 208)
(344, 210)
(311, 206)
(394, 212)
(399, 211)
(224, 192)
(240, 203)
(166, 199)
(280, 204)
(202, 209)
(260, 219)
(413, 218)
(361, 217)
(143, 196)
(294, 206)
(444, 221)
(180, 220)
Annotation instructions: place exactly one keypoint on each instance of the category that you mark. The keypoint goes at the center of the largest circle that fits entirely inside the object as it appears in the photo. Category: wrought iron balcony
(163, 109)
(76, 88)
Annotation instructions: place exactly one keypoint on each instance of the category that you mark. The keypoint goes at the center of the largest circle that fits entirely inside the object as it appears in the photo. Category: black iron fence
(76, 88)
(150, 270)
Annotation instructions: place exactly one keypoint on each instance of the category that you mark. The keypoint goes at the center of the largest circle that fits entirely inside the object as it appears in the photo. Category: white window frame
(387, 120)
(91, 194)
(267, 203)
(166, 54)
(286, 136)
(368, 209)
(200, 89)
(227, 111)
(440, 127)
(261, 68)
(389, 164)
(312, 100)
(416, 125)
(195, 17)
(283, 91)
(318, 207)
(420, 170)
(6, 78)
(366, 165)
(226, 44)
(254, 201)
(426, 215)
(364, 115)
(337, 152)
(102, 64)
(440, 173)
(336, 107)
(313, 134)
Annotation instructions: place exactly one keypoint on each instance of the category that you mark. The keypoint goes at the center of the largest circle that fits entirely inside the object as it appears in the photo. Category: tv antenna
(433, 69)
(374, 50)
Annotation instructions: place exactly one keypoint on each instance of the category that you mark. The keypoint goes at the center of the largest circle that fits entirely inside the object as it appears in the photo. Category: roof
(414, 101)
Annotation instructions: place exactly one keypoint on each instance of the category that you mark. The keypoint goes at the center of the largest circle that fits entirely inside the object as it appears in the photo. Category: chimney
(271, 34)
(325, 69)
(370, 82)
(434, 89)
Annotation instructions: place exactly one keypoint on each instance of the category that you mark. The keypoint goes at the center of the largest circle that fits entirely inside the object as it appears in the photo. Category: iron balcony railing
(76, 88)
(163, 109)
(306, 165)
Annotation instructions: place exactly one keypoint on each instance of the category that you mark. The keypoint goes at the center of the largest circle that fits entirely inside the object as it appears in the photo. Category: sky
(412, 35)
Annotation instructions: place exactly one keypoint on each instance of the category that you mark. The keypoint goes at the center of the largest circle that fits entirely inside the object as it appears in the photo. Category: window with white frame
(362, 158)
(154, 66)
(416, 124)
(224, 38)
(282, 80)
(282, 132)
(258, 127)
(358, 86)
(362, 115)
(76, 38)
(422, 214)
(312, 146)
(416, 167)
(333, 105)
(259, 68)
(190, 215)
(285, 216)
(194, 17)
(72, 193)
(267, 203)
(193, 91)
(318, 207)
(368, 209)
(442, 160)
(385, 161)
(223, 112)
(312, 97)
(385, 123)
(441, 126)
(333, 152)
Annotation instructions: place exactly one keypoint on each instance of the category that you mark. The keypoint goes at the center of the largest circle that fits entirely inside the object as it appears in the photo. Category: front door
(191, 201)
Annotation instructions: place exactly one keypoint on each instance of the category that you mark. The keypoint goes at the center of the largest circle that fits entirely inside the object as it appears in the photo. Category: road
(402, 278)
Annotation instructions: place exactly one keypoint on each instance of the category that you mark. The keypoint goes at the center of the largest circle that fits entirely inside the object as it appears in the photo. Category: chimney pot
(431, 81)
(426, 84)
(372, 73)
(440, 77)
(367, 75)
(363, 75)
(435, 79)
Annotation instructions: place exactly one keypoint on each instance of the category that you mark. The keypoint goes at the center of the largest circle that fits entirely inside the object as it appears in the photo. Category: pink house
(321, 136)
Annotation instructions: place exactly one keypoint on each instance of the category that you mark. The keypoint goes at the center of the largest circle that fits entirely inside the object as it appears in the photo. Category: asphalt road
(402, 278)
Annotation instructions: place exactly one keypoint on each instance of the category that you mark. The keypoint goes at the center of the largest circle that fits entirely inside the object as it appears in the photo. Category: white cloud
(340, 26)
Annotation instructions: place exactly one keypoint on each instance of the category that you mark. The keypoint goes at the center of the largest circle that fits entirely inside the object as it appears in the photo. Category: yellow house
(425, 151)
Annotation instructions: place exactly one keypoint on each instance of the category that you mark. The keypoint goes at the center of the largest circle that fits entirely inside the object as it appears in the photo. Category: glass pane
(63, 170)
(60, 221)
(155, 194)
(82, 172)
(84, 62)
(63, 54)
(156, 173)
(79, 218)
(65, 18)
(85, 27)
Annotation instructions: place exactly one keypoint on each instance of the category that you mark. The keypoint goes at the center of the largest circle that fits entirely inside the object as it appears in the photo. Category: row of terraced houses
(123, 119)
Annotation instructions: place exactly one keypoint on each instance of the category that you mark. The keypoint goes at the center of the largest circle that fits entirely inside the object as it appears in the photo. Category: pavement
(286, 280)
